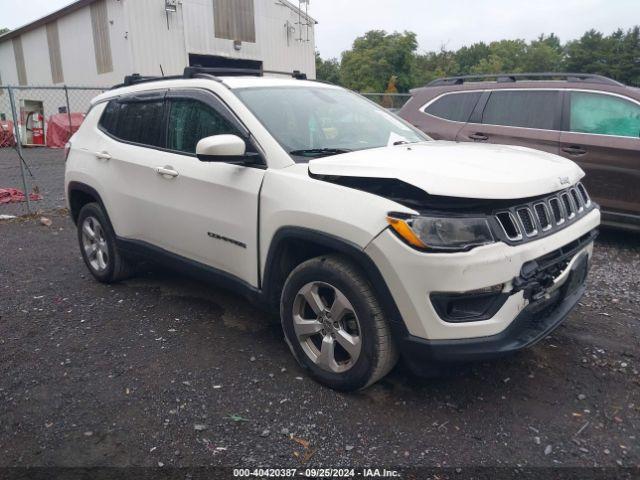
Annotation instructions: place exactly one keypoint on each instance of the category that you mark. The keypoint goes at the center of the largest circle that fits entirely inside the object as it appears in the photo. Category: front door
(529, 118)
(209, 210)
(603, 136)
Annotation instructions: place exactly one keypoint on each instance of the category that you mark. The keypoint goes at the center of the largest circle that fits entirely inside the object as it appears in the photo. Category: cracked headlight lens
(442, 233)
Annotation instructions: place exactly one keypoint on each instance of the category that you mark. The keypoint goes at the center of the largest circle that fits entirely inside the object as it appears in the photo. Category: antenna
(307, 23)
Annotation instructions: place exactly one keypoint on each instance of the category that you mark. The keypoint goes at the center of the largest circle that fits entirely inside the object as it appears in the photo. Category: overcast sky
(451, 23)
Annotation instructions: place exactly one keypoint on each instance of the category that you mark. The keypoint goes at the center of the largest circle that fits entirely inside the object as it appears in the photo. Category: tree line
(386, 62)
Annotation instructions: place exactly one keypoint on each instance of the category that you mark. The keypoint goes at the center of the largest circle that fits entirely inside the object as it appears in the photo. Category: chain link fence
(35, 124)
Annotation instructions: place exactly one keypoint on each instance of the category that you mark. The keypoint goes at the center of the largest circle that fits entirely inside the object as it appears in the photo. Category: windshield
(314, 122)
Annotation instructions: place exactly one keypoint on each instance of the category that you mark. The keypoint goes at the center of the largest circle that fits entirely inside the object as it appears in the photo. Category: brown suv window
(604, 115)
(454, 106)
(522, 108)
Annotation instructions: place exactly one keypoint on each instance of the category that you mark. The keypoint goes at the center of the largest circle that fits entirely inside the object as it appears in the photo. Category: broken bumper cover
(535, 322)
(523, 272)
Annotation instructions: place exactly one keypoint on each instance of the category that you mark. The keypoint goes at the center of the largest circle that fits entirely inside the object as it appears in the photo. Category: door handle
(574, 150)
(103, 156)
(167, 171)
(479, 137)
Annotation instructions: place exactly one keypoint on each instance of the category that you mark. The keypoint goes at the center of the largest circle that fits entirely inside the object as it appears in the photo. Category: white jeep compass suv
(371, 240)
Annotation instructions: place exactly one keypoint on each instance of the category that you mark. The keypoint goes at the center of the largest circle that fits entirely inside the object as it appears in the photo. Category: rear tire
(334, 324)
(98, 246)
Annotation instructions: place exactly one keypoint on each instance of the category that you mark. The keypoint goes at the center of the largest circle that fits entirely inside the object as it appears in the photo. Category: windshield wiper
(319, 152)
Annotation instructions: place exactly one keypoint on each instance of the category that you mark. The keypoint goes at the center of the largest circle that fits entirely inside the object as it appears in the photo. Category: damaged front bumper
(537, 320)
(519, 293)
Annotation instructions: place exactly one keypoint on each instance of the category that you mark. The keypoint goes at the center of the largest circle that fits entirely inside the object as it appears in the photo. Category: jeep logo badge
(564, 180)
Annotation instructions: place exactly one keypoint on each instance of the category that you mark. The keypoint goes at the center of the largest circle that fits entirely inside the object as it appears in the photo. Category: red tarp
(13, 195)
(6, 134)
(58, 131)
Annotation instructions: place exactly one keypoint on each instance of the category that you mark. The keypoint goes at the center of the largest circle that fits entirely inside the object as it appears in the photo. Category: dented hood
(453, 169)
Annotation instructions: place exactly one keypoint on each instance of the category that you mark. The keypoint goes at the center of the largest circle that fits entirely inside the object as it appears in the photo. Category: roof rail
(211, 72)
(136, 78)
(190, 72)
(514, 77)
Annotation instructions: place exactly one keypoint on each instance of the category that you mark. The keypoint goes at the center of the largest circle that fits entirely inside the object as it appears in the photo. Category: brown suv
(590, 119)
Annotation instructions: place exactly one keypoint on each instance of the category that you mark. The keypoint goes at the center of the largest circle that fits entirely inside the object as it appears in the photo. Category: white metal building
(98, 42)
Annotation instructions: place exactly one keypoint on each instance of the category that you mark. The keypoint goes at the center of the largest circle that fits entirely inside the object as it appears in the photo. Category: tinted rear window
(454, 106)
(137, 122)
(530, 109)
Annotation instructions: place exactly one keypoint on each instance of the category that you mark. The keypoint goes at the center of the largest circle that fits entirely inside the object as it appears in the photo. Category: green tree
(544, 55)
(588, 54)
(432, 65)
(377, 56)
(327, 70)
(468, 57)
(628, 57)
(4, 30)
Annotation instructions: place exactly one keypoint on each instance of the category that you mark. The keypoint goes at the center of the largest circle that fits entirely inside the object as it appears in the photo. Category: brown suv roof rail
(514, 77)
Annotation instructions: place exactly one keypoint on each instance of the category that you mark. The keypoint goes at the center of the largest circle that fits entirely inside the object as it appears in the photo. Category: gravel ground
(47, 166)
(164, 370)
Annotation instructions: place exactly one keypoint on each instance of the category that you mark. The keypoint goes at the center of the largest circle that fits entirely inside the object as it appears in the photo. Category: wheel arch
(291, 246)
(79, 194)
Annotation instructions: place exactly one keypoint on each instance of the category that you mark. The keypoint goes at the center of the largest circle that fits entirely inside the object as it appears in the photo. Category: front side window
(137, 122)
(190, 121)
(454, 106)
(604, 115)
(320, 121)
(522, 108)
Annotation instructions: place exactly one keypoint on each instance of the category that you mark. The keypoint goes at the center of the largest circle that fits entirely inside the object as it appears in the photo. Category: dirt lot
(163, 370)
(44, 171)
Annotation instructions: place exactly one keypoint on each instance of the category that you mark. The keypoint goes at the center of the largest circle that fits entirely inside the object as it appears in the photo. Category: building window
(234, 20)
(19, 56)
(53, 40)
(101, 41)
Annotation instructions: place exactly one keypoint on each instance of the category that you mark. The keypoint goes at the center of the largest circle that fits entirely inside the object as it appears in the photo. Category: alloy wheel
(94, 244)
(327, 327)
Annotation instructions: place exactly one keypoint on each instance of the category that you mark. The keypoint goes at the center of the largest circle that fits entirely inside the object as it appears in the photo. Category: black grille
(544, 216)
(557, 212)
(568, 206)
(509, 225)
(585, 196)
(576, 199)
(527, 221)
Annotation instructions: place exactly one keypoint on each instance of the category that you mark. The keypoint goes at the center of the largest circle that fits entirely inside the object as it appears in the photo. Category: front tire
(98, 246)
(334, 324)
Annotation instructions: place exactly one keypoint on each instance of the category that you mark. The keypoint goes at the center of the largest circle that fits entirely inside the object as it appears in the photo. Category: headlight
(442, 233)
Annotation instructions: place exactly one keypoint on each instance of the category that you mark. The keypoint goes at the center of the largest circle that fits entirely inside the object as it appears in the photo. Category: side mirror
(222, 148)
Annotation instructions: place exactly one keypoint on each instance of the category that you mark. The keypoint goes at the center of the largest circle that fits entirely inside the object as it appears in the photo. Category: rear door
(525, 117)
(602, 135)
(444, 116)
(133, 135)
